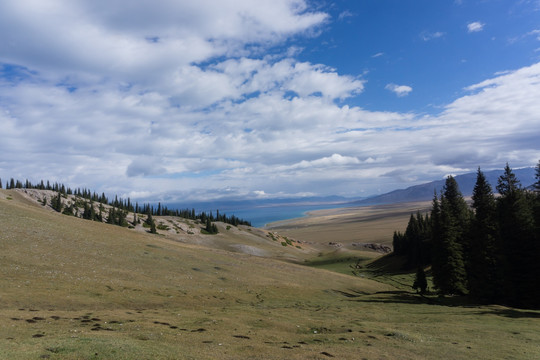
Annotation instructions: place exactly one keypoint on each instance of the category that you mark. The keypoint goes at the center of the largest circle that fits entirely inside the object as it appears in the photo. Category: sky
(232, 99)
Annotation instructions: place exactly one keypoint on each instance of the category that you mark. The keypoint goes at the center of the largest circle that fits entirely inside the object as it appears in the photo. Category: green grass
(149, 297)
(343, 262)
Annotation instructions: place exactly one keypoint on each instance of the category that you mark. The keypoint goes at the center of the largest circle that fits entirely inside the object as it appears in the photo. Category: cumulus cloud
(173, 100)
(475, 26)
(399, 90)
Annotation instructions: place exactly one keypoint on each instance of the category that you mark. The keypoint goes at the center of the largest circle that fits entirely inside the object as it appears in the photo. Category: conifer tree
(111, 219)
(153, 229)
(0, 183)
(56, 202)
(420, 282)
(536, 184)
(485, 261)
(520, 247)
(451, 220)
(150, 221)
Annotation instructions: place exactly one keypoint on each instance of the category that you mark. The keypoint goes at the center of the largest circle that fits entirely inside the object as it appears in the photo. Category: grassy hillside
(77, 289)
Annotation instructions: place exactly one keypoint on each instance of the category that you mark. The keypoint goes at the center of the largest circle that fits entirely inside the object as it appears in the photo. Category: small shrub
(283, 243)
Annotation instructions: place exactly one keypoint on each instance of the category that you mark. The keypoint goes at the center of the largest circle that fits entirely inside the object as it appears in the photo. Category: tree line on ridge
(118, 208)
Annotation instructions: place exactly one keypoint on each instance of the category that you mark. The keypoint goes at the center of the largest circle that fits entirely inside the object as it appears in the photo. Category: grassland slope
(77, 289)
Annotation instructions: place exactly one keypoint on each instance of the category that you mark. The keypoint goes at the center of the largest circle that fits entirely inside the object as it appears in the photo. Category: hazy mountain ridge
(466, 184)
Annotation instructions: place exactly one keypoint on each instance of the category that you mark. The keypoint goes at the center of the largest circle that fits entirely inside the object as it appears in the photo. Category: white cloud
(334, 160)
(475, 26)
(175, 98)
(535, 33)
(345, 14)
(399, 90)
(110, 39)
(427, 36)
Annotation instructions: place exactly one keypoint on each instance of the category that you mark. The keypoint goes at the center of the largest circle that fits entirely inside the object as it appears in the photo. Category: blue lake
(259, 216)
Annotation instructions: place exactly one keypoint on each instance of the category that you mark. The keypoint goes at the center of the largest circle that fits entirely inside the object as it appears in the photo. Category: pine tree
(0, 183)
(210, 228)
(153, 229)
(517, 229)
(420, 282)
(56, 202)
(451, 220)
(150, 221)
(536, 184)
(398, 243)
(111, 219)
(484, 269)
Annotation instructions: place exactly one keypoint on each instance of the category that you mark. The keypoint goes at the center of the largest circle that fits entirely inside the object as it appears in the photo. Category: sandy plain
(351, 225)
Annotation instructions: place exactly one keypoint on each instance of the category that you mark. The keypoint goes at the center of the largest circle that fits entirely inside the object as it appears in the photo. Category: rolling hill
(78, 289)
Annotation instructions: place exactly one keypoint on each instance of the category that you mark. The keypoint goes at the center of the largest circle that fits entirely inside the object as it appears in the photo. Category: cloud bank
(194, 100)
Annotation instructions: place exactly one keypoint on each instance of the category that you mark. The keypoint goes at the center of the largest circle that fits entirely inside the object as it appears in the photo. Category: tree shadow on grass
(411, 298)
(511, 313)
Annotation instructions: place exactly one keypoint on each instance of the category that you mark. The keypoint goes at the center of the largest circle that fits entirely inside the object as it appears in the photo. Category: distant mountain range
(466, 185)
(420, 192)
(227, 205)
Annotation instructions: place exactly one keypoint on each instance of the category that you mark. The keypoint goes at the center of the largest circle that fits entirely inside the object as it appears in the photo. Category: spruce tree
(153, 229)
(420, 282)
(56, 202)
(484, 269)
(536, 184)
(111, 219)
(150, 221)
(517, 229)
(451, 220)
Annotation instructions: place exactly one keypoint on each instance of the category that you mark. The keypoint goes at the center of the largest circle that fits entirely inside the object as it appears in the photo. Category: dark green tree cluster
(117, 217)
(520, 238)
(490, 250)
(56, 202)
(415, 243)
(210, 228)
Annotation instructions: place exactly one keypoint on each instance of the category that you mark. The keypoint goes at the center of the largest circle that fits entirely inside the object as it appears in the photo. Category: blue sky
(197, 100)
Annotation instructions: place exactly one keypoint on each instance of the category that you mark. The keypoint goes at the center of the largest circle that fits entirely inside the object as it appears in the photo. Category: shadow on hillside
(412, 298)
(512, 313)
(389, 264)
(397, 297)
